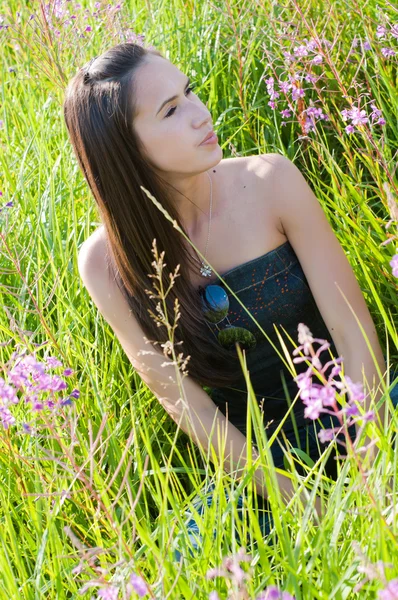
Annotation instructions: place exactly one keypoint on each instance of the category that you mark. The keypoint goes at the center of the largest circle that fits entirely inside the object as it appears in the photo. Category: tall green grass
(99, 490)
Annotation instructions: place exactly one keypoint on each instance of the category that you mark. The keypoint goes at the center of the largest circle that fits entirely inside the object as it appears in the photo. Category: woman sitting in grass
(248, 253)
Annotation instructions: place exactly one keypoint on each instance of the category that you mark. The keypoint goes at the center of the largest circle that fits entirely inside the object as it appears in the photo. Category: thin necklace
(205, 269)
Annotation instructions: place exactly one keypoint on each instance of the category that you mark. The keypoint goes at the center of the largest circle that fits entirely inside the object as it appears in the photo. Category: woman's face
(171, 130)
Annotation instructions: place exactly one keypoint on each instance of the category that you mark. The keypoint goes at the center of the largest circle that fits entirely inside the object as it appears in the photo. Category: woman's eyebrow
(172, 97)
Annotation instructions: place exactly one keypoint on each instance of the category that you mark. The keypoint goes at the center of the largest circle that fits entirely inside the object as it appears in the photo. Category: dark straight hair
(99, 110)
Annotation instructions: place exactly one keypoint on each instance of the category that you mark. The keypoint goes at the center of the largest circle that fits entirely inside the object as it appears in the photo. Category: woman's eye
(171, 111)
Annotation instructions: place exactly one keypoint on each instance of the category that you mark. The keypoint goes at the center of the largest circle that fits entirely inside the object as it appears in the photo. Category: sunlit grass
(96, 492)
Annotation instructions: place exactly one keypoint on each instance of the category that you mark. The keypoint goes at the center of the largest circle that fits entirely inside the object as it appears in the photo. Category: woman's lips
(211, 140)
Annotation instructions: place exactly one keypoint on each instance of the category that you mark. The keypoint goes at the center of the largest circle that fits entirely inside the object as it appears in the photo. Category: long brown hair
(99, 109)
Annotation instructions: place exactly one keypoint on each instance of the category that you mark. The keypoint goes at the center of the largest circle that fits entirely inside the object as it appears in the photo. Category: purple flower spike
(108, 593)
(328, 395)
(300, 51)
(313, 410)
(387, 52)
(272, 593)
(355, 390)
(351, 410)
(358, 116)
(369, 416)
(6, 417)
(394, 265)
(317, 60)
(51, 361)
(58, 384)
(390, 592)
(8, 393)
(66, 402)
(297, 93)
(139, 585)
(380, 31)
(326, 435)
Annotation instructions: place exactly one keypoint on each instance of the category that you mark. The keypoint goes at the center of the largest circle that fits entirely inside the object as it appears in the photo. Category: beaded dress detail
(274, 289)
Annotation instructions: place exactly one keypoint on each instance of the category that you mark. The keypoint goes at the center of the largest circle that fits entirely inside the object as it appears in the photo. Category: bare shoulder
(264, 163)
(95, 274)
(267, 169)
(93, 251)
(95, 240)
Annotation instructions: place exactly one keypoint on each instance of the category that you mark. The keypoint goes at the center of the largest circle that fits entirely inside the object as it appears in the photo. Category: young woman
(134, 120)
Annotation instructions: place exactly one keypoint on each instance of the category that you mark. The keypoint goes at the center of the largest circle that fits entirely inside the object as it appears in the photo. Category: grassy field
(95, 475)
